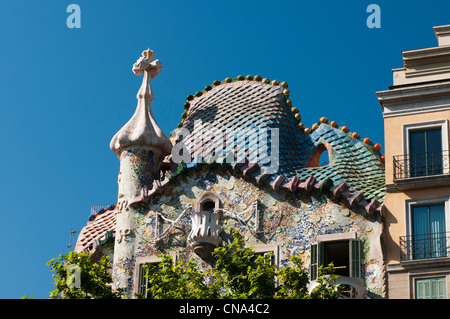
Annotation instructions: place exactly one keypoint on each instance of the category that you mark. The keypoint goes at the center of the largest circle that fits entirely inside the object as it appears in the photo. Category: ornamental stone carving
(204, 236)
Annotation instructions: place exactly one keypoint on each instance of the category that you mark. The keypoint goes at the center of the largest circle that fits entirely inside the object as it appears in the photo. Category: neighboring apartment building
(416, 111)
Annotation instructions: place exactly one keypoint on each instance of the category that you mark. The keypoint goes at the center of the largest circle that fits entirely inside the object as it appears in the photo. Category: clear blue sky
(65, 92)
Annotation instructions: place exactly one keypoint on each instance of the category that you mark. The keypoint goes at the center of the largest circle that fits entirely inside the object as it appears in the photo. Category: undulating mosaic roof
(251, 124)
(227, 118)
(246, 113)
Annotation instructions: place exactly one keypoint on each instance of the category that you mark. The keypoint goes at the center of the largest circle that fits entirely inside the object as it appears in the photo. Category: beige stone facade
(416, 111)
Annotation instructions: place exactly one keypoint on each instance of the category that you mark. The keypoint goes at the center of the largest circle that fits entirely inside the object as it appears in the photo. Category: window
(429, 237)
(143, 281)
(264, 250)
(140, 281)
(425, 151)
(344, 254)
(205, 230)
(431, 288)
(207, 206)
(320, 157)
(208, 202)
(267, 249)
(427, 225)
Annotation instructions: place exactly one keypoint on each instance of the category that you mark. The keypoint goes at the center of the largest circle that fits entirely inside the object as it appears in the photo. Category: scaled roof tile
(96, 230)
(248, 108)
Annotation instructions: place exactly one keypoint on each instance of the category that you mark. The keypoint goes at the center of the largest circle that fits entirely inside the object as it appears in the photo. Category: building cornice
(415, 99)
(419, 57)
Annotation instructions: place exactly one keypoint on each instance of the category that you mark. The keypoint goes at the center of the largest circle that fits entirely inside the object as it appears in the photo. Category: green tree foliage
(294, 281)
(239, 273)
(178, 281)
(76, 276)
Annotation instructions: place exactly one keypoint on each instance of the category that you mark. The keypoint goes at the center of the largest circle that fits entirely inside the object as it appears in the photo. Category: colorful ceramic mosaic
(142, 163)
(233, 134)
(243, 109)
(291, 221)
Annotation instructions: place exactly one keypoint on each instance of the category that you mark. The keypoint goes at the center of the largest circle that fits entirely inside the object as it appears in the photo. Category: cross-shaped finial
(144, 63)
(142, 130)
(148, 54)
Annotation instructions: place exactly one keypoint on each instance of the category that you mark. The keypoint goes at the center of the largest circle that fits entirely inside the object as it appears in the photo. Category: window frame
(207, 197)
(315, 159)
(264, 249)
(411, 203)
(419, 126)
(418, 202)
(355, 255)
(140, 261)
(435, 277)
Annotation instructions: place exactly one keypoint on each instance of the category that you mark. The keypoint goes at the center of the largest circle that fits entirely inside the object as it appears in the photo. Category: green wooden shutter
(355, 258)
(422, 289)
(143, 281)
(432, 288)
(438, 288)
(316, 260)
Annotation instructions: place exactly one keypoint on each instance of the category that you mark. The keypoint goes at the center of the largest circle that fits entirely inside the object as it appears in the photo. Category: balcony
(421, 170)
(418, 247)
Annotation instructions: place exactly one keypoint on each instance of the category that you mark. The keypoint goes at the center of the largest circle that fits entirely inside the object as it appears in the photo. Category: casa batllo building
(241, 158)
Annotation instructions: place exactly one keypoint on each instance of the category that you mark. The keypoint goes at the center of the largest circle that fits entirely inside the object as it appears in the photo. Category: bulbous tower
(141, 146)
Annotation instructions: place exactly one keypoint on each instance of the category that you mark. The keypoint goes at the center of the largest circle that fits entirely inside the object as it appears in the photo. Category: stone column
(137, 172)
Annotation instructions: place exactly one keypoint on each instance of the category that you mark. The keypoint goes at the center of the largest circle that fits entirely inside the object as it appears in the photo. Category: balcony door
(429, 237)
(425, 151)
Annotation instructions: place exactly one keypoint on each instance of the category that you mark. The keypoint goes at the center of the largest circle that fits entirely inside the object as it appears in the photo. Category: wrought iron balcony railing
(435, 245)
(422, 164)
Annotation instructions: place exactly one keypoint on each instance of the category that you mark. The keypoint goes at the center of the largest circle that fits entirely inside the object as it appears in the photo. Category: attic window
(320, 157)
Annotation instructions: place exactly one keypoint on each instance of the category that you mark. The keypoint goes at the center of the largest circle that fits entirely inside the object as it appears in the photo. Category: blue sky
(64, 92)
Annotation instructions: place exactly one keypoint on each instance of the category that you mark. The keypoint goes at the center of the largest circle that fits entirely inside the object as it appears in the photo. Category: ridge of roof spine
(374, 148)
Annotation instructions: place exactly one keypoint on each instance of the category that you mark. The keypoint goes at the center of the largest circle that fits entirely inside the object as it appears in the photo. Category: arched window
(320, 157)
(208, 202)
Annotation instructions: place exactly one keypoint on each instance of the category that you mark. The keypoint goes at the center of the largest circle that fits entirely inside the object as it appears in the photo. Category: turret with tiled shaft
(141, 146)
